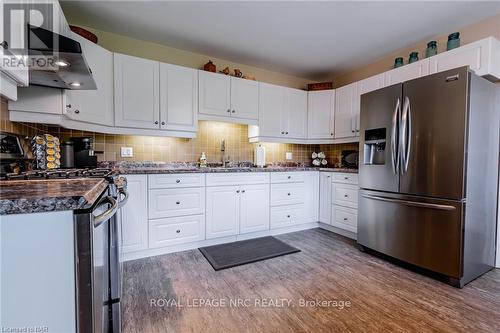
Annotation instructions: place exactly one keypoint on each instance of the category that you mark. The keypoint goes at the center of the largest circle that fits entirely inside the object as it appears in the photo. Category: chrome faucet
(225, 159)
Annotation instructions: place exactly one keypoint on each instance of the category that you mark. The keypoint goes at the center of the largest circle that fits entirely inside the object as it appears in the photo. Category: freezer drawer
(424, 232)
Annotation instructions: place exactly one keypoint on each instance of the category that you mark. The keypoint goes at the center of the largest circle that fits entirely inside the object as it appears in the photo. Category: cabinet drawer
(347, 178)
(283, 216)
(176, 202)
(176, 230)
(344, 218)
(287, 194)
(176, 180)
(237, 178)
(287, 177)
(345, 195)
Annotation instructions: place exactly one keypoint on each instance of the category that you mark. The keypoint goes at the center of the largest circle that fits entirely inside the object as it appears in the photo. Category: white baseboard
(339, 231)
(208, 242)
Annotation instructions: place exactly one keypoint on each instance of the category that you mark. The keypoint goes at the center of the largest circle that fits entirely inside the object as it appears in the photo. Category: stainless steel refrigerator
(428, 173)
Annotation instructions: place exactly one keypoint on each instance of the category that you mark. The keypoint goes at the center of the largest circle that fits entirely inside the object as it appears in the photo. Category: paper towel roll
(260, 156)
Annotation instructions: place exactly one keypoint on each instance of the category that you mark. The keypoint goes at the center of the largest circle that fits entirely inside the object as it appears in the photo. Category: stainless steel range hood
(57, 61)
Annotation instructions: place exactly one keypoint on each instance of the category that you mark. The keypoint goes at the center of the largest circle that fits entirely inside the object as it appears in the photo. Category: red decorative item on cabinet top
(84, 33)
(210, 67)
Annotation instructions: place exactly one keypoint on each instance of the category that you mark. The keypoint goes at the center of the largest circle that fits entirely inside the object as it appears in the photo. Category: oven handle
(123, 194)
(99, 219)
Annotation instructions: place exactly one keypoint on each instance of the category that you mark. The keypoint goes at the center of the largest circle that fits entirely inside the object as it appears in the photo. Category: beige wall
(471, 33)
(139, 48)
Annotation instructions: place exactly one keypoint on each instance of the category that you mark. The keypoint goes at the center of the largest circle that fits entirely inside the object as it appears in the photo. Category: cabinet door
(344, 120)
(137, 87)
(178, 98)
(135, 215)
(244, 99)
(222, 211)
(215, 94)
(325, 197)
(311, 204)
(407, 72)
(271, 110)
(254, 205)
(364, 86)
(93, 106)
(320, 110)
(296, 117)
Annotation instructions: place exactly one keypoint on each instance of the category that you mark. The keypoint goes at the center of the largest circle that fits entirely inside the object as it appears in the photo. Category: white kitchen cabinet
(407, 72)
(282, 113)
(482, 56)
(272, 110)
(214, 94)
(344, 218)
(178, 98)
(176, 180)
(287, 194)
(227, 98)
(296, 119)
(320, 109)
(237, 178)
(93, 106)
(176, 230)
(135, 215)
(254, 208)
(288, 177)
(286, 216)
(222, 211)
(311, 202)
(325, 197)
(176, 202)
(137, 87)
(244, 99)
(364, 86)
(345, 113)
(345, 195)
(344, 201)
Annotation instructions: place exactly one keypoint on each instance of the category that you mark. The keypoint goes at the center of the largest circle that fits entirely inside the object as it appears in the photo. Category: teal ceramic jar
(398, 62)
(453, 41)
(413, 57)
(431, 49)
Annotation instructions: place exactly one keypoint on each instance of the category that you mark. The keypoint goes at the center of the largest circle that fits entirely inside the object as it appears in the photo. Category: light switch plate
(127, 152)
(289, 156)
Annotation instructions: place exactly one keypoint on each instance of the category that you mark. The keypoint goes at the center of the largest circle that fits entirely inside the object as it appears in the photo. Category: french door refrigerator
(429, 154)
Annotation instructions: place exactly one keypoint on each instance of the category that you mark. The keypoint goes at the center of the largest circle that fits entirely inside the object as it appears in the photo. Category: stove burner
(60, 174)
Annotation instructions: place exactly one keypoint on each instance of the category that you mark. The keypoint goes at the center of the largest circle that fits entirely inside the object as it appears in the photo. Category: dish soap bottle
(203, 160)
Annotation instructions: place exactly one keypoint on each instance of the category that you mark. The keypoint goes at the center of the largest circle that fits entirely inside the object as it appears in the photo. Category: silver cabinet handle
(242, 191)
(123, 200)
(108, 200)
(286, 132)
(178, 181)
(163, 123)
(178, 231)
(177, 202)
(283, 132)
(156, 122)
(346, 196)
(228, 111)
(237, 191)
(288, 216)
(289, 177)
(345, 218)
(409, 203)
(68, 106)
(288, 193)
(77, 111)
(395, 137)
(233, 111)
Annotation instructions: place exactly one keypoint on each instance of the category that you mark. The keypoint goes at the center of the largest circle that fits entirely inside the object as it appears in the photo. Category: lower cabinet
(345, 218)
(176, 230)
(135, 215)
(232, 210)
(344, 200)
(325, 197)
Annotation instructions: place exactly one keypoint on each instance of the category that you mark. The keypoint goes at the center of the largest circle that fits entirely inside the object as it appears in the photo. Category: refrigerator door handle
(405, 135)
(394, 148)
(409, 203)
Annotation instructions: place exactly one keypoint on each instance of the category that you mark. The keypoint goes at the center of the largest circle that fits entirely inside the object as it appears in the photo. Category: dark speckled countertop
(34, 196)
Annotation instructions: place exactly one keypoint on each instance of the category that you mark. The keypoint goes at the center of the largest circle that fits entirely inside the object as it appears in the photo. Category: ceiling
(309, 39)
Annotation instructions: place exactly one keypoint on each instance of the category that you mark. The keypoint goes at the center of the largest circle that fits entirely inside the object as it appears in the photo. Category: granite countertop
(179, 167)
(35, 196)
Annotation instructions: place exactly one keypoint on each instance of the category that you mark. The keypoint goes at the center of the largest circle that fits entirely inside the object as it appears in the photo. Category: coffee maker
(84, 152)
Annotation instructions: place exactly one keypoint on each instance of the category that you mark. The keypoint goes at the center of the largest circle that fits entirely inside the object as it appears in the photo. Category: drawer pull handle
(288, 193)
(288, 216)
(178, 181)
(238, 191)
(346, 196)
(345, 218)
(177, 202)
(346, 178)
(178, 231)
(289, 177)
(242, 191)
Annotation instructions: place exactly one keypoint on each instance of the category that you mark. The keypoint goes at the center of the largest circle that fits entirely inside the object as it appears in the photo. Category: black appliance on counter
(349, 159)
(12, 158)
(84, 156)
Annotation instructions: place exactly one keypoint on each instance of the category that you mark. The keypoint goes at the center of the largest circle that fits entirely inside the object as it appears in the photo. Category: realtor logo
(23, 44)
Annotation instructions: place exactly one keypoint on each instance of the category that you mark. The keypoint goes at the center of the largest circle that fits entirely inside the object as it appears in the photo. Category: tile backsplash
(168, 149)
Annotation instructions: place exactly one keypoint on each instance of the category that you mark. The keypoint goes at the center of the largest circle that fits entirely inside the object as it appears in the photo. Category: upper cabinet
(345, 113)
(93, 106)
(226, 98)
(282, 114)
(483, 57)
(320, 113)
(407, 72)
(178, 98)
(137, 87)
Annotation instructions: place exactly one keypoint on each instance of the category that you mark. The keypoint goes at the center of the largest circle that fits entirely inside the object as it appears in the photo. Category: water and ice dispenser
(375, 145)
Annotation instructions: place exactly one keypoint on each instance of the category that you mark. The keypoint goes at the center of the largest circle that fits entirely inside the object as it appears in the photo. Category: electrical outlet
(289, 156)
(127, 152)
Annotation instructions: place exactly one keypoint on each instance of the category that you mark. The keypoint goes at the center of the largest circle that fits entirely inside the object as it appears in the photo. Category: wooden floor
(383, 296)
